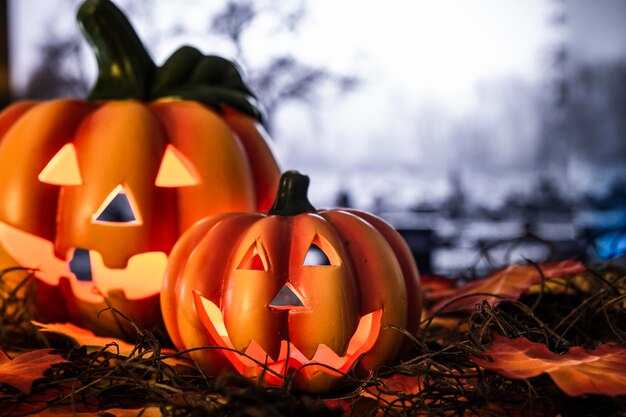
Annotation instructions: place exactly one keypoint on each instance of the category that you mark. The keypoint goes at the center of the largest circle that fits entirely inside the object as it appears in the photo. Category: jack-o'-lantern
(296, 292)
(94, 193)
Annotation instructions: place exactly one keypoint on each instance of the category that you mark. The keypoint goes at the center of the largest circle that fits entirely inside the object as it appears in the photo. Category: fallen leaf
(390, 396)
(436, 287)
(577, 372)
(388, 390)
(372, 401)
(509, 283)
(112, 412)
(559, 285)
(38, 402)
(146, 412)
(22, 371)
(84, 337)
(355, 407)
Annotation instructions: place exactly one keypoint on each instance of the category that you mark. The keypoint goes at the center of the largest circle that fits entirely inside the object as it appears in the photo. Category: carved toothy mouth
(141, 278)
(253, 361)
(80, 265)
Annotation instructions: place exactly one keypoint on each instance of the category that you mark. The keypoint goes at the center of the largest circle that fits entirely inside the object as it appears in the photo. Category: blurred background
(486, 131)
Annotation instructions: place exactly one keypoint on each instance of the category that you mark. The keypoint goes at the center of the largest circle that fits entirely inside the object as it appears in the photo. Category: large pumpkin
(305, 292)
(116, 179)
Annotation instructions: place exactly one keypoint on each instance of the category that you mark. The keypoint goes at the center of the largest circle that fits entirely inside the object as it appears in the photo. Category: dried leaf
(509, 283)
(355, 407)
(84, 337)
(577, 372)
(112, 412)
(22, 371)
(436, 287)
(560, 285)
(371, 401)
(388, 389)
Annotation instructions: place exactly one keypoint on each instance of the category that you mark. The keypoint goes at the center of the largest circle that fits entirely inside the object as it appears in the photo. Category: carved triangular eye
(321, 253)
(176, 170)
(62, 169)
(253, 260)
(315, 256)
(118, 208)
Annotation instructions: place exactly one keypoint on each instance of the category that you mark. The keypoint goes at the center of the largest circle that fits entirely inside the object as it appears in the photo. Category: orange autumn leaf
(358, 406)
(393, 395)
(83, 337)
(22, 371)
(391, 391)
(111, 412)
(435, 287)
(577, 372)
(509, 283)
(388, 389)
(146, 412)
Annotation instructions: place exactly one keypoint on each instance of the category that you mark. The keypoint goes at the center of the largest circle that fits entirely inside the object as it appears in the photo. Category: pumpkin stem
(291, 198)
(125, 69)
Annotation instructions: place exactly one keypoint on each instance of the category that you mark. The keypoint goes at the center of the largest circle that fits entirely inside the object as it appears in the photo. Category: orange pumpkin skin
(371, 282)
(120, 142)
(176, 142)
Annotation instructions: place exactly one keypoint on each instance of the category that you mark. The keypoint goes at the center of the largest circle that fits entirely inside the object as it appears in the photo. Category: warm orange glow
(216, 317)
(247, 362)
(32, 251)
(62, 168)
(120, 189)
(141, 278)
(176, 170)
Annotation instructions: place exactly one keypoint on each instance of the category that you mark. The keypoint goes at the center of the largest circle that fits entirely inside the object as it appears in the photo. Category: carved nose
(117, 208)
(287, 298)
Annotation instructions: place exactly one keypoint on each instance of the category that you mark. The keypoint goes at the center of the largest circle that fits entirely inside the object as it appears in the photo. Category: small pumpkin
(304, 291)
(116, 179)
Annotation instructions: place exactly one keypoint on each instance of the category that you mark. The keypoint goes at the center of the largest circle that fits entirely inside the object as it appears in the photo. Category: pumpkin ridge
(48, 126)
(390, 283)
(71, 161)
(178, 261)
(227, 274)
(13, 113)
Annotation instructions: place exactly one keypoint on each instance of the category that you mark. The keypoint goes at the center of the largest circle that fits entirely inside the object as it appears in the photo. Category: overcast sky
(433, 70)
(427, 49)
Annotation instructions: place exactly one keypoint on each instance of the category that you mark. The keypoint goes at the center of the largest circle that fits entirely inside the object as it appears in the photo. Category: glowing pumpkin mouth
(254, 361)
(141, 278)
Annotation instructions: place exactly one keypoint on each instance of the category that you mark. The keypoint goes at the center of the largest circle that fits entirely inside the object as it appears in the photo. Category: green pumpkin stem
(292, 198)
(125, 69)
